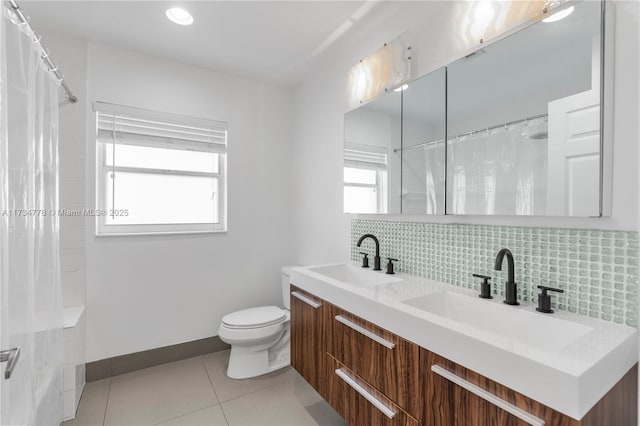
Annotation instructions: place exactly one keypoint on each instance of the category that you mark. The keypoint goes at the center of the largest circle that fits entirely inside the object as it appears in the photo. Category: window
(365, 179)
(159, 173)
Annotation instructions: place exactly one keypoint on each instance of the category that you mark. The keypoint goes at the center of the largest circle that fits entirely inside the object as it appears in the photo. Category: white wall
(150, 291)
(321, 101)
(146, 292)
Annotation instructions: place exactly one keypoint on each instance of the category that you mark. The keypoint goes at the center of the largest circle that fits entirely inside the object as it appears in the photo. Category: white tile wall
(71, 56)
(71, 154)
(74, 367)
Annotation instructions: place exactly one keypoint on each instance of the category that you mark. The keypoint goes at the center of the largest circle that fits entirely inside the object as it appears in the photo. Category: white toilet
(259, 337)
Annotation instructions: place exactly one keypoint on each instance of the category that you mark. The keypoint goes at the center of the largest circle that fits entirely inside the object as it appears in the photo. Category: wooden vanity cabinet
(457, 396)
(371, 376)
(308, 337)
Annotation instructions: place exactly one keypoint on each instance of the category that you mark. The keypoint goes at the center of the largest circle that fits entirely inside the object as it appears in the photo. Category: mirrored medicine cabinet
(514, 128)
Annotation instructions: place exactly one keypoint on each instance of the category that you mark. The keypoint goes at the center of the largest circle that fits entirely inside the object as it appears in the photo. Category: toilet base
(246, 362)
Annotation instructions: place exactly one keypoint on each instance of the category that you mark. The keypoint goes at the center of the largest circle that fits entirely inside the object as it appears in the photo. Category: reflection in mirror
(371, 156)
(524, 122)
(423, 147)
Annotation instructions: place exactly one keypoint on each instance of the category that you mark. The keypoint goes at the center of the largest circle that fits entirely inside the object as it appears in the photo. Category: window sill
(158, 233)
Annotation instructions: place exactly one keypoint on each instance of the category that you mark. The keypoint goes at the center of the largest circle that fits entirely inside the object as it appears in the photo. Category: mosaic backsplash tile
(598, 270)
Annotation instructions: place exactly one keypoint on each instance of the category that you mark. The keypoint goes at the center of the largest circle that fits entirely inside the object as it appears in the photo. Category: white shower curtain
(499, 172)
(31, 296)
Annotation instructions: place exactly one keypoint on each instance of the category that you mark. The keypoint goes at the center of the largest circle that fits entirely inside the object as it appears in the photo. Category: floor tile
(211, 416)
(93, 404)
(288, 404)
(324, 415)
(226, 388)
(158, 394)
(185, 363)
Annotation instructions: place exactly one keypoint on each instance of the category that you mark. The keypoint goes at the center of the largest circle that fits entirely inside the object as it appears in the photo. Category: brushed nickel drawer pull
(365, 332)
(366, 394)
(488, 396)
(305, 299)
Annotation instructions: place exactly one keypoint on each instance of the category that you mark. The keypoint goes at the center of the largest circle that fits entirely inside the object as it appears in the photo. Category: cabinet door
(383, 359)
(456, 396)
(359, 403)
(307, 337)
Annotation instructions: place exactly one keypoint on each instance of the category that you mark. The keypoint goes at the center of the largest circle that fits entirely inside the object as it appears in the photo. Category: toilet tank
(286, 274)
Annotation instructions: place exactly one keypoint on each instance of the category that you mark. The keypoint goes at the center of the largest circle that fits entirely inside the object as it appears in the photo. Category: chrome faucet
(376, 259)
(510, 296)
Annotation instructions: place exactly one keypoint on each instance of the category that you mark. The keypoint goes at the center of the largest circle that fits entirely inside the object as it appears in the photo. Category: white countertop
(570, 379)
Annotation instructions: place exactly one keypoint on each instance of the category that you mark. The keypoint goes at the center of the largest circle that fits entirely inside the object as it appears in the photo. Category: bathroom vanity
(402, 350)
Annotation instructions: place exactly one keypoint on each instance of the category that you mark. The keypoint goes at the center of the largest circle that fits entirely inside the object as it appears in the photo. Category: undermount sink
(355, 276)
(517, 324)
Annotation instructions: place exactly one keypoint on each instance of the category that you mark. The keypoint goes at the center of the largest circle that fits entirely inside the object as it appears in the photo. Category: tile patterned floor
(197, 392)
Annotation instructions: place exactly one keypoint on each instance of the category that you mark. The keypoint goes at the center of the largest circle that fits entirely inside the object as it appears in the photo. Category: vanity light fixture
(561, 14)
(179, 16)
(401, 88)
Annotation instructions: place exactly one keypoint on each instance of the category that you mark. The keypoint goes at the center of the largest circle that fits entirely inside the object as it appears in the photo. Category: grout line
(210, 381)
(224, 414)
(186, 414)
(106, 406)
(254, 391)
(214, 390)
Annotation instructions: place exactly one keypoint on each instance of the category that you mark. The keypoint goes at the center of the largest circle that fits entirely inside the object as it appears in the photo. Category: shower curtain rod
(508, 123)
(45, 55)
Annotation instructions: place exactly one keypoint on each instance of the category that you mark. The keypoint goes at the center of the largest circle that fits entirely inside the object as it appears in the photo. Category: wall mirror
(372, 169)
(423, 144)
(524, 122)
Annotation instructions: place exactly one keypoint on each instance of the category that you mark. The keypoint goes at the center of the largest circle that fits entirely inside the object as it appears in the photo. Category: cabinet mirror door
(423, 144)
(372, 142)
(524, 121)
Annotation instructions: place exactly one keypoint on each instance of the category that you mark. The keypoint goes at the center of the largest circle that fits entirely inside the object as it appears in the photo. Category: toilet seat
(252, 318)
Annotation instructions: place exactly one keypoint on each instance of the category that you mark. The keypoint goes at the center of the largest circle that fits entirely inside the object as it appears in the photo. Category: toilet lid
(254, 317)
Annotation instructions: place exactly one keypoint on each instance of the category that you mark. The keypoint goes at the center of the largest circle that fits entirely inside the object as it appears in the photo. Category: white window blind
(133, 126)
(159, 172)
(365, 159)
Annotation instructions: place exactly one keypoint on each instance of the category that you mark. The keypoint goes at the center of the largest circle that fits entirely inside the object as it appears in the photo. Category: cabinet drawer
(384, 360)
(457, 396)
(358, 402)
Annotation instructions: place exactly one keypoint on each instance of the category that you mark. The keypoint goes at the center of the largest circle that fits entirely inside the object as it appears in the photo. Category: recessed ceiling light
(180, 16)
(401, 88)
(559, 15)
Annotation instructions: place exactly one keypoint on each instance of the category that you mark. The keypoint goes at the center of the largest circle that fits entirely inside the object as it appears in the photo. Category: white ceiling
(270, 41)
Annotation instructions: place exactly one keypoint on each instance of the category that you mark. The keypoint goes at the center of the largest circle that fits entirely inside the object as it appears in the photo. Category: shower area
(31, 314)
